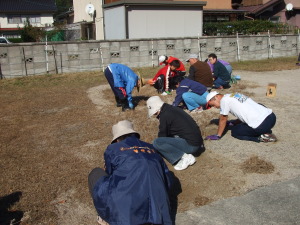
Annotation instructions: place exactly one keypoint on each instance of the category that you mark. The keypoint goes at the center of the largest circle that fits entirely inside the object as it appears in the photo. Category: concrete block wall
(37, 58)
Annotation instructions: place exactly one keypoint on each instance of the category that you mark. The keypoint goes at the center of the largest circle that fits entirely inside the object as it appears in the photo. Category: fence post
(24, 58)
(1, 75)
(270, 45)
(101, 56)
(152, 56)
(54, 55)
(238, 46)
(46, 51)
(61, 66)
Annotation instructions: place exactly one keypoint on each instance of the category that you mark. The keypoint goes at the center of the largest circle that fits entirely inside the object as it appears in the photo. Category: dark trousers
(243, 132)
(119, 92)
(94, 176)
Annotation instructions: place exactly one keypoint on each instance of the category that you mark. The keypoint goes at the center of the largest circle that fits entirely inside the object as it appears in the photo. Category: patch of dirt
(52, 137)
(257, 165)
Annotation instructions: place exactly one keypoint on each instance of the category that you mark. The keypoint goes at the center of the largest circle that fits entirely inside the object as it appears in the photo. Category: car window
(3, 41)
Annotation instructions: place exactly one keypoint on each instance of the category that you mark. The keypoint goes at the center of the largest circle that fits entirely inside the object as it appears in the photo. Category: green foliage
(15, 40)
(245, 27)
(30, 33)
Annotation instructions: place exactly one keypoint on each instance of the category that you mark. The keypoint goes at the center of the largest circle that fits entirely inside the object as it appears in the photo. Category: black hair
(175, 63)
(123, 137)
(212, 55)
(176, 80)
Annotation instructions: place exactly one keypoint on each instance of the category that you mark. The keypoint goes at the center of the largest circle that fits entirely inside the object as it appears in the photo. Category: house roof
(155, 3)
(27, 6)
(258, 9)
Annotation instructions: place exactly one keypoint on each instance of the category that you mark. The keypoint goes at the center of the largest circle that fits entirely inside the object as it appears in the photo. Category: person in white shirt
(254, 121)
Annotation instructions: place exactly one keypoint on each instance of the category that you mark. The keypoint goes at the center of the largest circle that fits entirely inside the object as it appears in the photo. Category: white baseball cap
(211, 95)
(162, 58)
(192, 56)
(154, 104)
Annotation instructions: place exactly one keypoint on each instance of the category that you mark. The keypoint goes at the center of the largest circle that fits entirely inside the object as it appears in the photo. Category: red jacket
(170, 59)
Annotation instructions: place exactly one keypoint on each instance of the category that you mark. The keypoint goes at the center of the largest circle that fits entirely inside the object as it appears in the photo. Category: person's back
(135, 190)
(200, 72)
(221, 72)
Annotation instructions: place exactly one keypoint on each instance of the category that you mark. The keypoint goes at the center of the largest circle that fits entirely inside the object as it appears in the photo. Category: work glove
(130, 104)
(213, 137)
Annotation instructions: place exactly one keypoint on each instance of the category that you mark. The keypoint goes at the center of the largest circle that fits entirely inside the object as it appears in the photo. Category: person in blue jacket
(133, 189)
(122, 80)
(191, 92)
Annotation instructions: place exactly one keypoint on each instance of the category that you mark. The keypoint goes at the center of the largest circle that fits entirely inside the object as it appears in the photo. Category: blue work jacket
(188, 85)
(136, 188)
(124, 77)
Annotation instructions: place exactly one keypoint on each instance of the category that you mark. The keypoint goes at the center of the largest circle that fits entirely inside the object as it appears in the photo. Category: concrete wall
(34, 59)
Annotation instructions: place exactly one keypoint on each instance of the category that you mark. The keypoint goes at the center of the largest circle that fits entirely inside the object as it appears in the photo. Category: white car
(3, 40)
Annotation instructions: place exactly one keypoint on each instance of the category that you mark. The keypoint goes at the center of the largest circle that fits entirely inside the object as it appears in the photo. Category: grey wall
(21, 59)
(115, 23)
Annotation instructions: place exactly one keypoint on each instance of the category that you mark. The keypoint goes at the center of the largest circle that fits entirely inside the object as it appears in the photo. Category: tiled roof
(257, 9)
(27, 6)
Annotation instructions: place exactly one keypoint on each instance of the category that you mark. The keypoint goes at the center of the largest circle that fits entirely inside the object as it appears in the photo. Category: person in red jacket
(164, 76)
(168, 59)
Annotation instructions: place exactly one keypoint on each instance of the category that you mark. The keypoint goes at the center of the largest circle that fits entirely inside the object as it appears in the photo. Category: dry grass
(52, 135)
(257, 165)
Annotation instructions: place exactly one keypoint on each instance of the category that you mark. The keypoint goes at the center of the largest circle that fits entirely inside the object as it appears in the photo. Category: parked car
(3, 40)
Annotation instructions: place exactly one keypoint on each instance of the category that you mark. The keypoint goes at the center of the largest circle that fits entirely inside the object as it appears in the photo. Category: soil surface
(68, 140)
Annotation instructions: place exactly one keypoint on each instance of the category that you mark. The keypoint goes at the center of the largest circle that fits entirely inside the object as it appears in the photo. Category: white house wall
(114, 23)
(45, 19)
(164, 23)
(80, 15)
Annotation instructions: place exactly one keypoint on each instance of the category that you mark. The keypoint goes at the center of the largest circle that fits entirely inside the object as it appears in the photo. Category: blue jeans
(173, 149)
(243, 132)
(193, 100)
(229, 69)
(219, 82)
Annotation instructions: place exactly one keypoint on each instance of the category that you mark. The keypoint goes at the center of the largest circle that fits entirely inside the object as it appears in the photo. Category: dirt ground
(48, 147)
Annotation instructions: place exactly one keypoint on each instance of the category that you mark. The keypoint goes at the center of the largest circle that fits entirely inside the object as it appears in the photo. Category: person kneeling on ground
(221, 74)
(179, 135)
(134, 187)
(163, 59)
(122, 80)
(192, 93)
(164, 77)
(254, 123)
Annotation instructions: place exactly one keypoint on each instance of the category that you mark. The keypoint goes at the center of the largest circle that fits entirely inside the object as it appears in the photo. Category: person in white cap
(168, 59)
(200, 71)
(179, 136)
(254, 122)
(134, 187)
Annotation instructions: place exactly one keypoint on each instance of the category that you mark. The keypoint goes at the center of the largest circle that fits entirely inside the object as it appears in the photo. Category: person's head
(213, 99)
(174, 65)
(162, 59)
(193, 58)
(212, 58)
(176, 81)
(154, 105)
(122, 130)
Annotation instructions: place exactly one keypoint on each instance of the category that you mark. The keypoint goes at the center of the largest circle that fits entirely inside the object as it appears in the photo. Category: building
(277, 11)
(13, 14)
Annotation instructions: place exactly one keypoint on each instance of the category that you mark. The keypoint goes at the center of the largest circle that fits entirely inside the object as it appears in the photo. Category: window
(16, 19)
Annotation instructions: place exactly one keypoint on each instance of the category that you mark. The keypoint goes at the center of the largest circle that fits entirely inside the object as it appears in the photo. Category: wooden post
(54, 55)
(24, 58)
(61, 66)
(1, 75)
(271, 90)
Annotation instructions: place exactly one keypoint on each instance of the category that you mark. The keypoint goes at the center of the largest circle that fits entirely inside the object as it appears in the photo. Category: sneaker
(197, 110)
(101, 221)
(166, 93)
(185, 161)
(267, 138)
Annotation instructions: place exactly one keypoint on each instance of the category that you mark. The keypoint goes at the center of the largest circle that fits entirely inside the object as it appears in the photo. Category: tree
(30, 33)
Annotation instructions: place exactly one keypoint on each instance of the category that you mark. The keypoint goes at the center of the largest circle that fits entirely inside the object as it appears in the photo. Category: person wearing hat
(192, 93)
(122, 80)
(168, 59)
(200, 71)
(133, 188)
(179, 136)
(164, 76)
(254, 122)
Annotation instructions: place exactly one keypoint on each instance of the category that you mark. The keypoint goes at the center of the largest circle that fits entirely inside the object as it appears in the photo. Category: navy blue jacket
(136, 188)
(188, 85)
